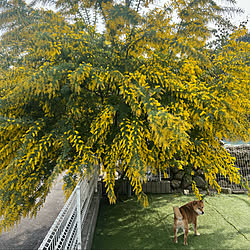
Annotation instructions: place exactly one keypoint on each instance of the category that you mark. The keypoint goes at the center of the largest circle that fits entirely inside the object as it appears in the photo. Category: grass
(127, 225)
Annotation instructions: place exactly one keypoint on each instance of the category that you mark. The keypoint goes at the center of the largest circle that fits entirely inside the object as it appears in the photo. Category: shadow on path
(29, 234)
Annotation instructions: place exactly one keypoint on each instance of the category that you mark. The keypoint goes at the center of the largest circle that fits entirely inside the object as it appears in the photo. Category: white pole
(79, 221)
(96, 177)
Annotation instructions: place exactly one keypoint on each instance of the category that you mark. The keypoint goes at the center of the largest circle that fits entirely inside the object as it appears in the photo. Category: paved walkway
(30, 232)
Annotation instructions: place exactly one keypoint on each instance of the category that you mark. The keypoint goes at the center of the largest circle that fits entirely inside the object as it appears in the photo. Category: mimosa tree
(145, 94)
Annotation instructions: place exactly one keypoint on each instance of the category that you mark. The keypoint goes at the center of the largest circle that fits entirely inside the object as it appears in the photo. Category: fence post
(96, 177)
(79, 221)
(129, 189)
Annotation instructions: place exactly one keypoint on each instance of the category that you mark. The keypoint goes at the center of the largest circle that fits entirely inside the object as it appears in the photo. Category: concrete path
(29, 234)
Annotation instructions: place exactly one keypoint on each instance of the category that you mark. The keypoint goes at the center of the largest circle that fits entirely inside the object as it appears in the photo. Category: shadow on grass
(127, 225)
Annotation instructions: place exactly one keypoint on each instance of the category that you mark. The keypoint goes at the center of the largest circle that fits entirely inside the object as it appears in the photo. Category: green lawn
(127, 225)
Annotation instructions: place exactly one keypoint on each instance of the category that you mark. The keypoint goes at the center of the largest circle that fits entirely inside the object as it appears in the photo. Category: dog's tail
(177, 213)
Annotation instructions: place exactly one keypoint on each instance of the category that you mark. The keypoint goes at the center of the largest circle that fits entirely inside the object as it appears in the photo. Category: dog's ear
(195, 202)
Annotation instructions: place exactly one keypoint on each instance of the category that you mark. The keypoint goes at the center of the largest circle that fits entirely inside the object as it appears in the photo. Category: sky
(244, 4)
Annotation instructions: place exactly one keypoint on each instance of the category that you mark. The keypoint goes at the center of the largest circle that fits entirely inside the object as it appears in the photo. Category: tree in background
(145, 94)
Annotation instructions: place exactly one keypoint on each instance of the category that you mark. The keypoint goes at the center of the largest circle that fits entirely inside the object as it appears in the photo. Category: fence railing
(65, 233)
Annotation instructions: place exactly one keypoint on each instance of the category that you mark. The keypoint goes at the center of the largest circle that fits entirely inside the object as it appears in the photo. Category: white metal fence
(242, 155)
(66, 231)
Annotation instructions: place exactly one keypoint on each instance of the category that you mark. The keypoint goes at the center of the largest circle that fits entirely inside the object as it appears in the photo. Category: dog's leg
(175, 234)
(195, 227)
(185, 233)
(185, 236)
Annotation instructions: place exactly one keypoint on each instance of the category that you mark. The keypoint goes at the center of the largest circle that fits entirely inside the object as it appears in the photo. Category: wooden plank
(158, 187)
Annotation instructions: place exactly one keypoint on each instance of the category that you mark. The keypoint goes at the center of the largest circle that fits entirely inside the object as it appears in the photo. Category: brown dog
(185, 215)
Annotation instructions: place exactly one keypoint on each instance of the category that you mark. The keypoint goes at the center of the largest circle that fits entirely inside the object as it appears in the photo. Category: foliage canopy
(146, 94)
